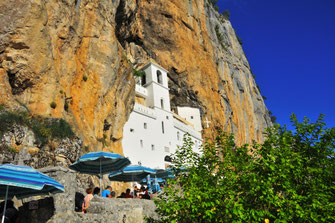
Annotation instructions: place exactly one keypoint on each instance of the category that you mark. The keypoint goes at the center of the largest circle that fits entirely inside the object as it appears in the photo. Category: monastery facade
(153, 131)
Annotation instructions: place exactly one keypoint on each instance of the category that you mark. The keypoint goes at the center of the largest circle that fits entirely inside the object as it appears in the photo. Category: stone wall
(59, 208)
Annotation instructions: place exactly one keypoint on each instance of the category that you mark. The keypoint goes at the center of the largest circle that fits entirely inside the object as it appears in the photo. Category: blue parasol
(131, 173)
(100, 163)
(24, 181)
(145, 180)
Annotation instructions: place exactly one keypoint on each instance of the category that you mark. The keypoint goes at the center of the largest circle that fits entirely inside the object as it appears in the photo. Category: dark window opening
(163, 127)
(162, 103)
(159, 77)
(167, 159)
(143, 80)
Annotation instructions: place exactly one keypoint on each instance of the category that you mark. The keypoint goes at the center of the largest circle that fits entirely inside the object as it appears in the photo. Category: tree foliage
(288, 178)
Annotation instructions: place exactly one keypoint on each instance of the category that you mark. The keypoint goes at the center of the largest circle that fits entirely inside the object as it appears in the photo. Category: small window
(141, 143)
(166, 149)
(139, 163)
(178, 136)
(152, 147)
(167, 117)
(163, 127)
(145, 125)
(131, 130)
(191, 117)
(162, 103)
(170, 143)
(159, 77)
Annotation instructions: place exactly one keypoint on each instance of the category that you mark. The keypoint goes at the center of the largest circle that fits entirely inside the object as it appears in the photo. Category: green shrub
(213, 2)
(272, 117)
(85, 78)
(53, 105)
(226, 14)
(11, 149)
(288, 178)
(138, 73)
(44, 129)
(216, 8)
(239, 39)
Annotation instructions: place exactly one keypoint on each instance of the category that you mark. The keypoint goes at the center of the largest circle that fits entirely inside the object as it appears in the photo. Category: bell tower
(156, 82)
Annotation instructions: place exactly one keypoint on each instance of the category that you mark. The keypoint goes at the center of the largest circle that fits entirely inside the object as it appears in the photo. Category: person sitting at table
(146, 194)
(128, 195)
(107, 192)
(141, 192)
(123, 195)
(87, 199)
(96, 191)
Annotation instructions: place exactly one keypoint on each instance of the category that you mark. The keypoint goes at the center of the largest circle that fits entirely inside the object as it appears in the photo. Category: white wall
(164, 143)
(191, 115)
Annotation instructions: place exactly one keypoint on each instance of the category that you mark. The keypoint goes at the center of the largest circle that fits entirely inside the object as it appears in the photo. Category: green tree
(288, 178)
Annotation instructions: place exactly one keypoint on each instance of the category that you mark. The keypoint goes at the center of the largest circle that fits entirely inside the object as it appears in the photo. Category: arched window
(167, 159)
(159, 77)
(178, 136)
(143, 80)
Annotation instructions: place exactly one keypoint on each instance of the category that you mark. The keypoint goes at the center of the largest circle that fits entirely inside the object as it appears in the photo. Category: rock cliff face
(70, 59)
(206, 63)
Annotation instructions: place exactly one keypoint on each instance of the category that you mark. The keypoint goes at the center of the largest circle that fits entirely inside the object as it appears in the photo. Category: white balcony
(141, 91)
(186, 128)
(144, 110)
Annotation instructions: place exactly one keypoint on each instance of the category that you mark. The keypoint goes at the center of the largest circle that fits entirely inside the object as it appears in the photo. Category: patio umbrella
(131, 173)
(24, 181)
(100, 163)
(169, 173)
(145, 180)
(160, 173)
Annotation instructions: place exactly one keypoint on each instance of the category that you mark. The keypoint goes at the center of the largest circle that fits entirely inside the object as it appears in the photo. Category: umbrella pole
(4, 209)
(100, 178)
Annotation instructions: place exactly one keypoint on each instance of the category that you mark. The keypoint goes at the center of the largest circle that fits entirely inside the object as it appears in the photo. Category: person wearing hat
(107, 192)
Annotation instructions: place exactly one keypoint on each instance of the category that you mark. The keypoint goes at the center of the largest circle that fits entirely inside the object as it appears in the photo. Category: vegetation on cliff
(43, 128)
(288, 178)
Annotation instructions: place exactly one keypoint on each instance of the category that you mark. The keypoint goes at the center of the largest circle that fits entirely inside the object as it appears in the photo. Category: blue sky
(290, 45)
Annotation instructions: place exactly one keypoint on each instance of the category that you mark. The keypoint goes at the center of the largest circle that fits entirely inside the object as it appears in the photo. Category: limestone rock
(75, 55)
(206, 63)
(66, 52)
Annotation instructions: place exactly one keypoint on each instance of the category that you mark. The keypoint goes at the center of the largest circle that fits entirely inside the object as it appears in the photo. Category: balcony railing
(141, 90)
(144, 110)
(187, 129)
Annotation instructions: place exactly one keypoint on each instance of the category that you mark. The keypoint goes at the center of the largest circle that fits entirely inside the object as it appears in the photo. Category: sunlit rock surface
(78, 54)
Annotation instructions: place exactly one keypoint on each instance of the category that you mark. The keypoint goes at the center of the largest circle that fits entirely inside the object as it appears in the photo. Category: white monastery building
(153, 131)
